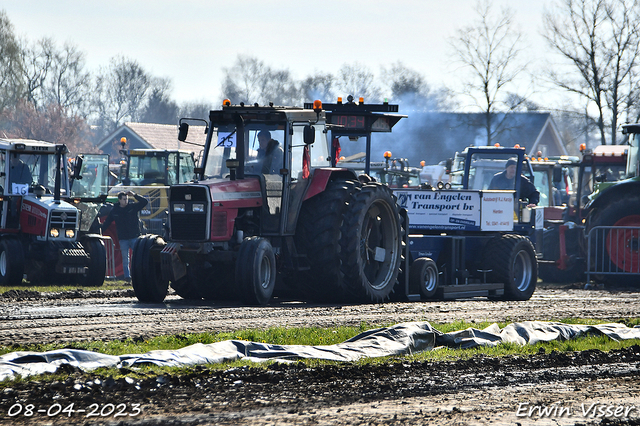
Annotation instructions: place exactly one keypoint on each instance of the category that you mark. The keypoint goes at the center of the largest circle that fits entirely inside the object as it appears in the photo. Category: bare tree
(490, 51)
(357, 80)
(121, 92)
(599, 40)
(159, 107)
(68, 84)
(250, 80)
(11, 85)
(318, 86)
(195, 110)
(37, 59)
(51, 123)
(409, 89)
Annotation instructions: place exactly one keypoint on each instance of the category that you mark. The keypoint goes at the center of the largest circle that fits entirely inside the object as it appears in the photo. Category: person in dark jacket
(506, 180)
(270, 152)
(125, 215)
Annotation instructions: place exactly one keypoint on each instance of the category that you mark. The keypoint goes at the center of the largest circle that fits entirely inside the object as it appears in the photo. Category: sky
(191, 41)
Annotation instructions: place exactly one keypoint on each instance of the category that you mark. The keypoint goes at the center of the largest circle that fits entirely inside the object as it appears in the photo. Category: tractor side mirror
(557, 173)
(77, 167)
(309, 134)
(183, 131)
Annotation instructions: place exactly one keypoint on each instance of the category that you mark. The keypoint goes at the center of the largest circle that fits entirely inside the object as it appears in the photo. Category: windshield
(542, 185)
(224, 144)
(147, 170)
(29, 169)
(95, 177)
(264, 150)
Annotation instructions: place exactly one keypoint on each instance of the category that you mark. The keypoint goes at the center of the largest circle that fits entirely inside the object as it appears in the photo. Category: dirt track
(480, 391)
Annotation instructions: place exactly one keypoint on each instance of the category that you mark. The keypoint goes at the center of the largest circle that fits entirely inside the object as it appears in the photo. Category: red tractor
(268, 209)
(42, 231)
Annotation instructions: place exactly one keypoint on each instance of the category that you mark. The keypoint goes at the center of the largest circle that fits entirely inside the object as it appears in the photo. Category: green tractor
(613, 222)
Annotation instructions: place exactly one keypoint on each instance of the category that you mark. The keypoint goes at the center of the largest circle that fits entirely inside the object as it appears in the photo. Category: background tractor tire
(318, 237)
(187, 287)
(371, 243)
(513, 262)
(621, 248)
(11, 262)
(146, 274)
(549, 273)
(256, 271)
(97, 268)
(423, 273)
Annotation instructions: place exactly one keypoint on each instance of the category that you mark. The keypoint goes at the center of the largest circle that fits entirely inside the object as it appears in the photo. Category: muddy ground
(549, 388)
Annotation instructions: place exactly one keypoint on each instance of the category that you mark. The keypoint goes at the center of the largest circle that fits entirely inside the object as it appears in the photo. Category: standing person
(270, 152)
(506, 180)
(127, 224)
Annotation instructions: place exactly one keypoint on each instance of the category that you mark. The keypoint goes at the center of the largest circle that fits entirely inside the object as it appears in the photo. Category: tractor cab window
(95, 177)
(172, 168)
(29, 169)
(542, 185)
(266, 160)
(318, 151)
(187, 165)
(484, 167)
(147, 170)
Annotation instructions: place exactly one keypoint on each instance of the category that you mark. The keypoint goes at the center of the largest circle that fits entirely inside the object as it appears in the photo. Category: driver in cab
(270, 153)
(19, 173)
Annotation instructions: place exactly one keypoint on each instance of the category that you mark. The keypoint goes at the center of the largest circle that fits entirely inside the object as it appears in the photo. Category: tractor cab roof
(29, 145)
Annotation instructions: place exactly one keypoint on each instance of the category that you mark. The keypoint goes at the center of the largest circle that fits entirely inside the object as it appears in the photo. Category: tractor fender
(321, 177)
(621, 189)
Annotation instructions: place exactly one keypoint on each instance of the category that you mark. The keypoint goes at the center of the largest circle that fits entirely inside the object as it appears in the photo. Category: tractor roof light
(583, 147)
(387, 154)
(339, 100)
(317, 105)
(517, 146)
(226, 102)
(361, 100)
(497, 145)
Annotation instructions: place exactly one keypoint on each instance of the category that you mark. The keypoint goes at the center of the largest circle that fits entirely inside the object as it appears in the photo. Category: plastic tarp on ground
(400, 339)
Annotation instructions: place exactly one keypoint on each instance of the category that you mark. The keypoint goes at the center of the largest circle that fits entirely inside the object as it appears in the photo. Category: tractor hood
(237, 193)
(39, 214)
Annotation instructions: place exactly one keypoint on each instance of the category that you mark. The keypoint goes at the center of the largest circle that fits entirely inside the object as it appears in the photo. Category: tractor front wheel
(146, 273)
(97, 268)
(256, 271)
(513, 262)
(11, 262)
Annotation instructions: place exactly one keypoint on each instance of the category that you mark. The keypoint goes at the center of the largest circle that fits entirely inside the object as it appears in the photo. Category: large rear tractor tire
(513, 262)
(11, 262)
(622, 247)
(256, 271)
(146, 273)
(97, 268)
(318, 237)
(371, 243)
(423, 273)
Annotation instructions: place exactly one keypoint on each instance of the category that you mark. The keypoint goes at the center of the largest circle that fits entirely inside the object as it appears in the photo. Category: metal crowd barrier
(109, 245)
(606, 243)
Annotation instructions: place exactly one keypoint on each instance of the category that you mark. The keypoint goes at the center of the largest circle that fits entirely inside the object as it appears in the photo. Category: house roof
(154, 136)
(436, 136)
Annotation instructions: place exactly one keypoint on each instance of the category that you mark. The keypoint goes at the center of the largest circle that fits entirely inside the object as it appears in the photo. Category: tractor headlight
(54, 233)
(69, 233)
(198, 208)
(178, 207)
